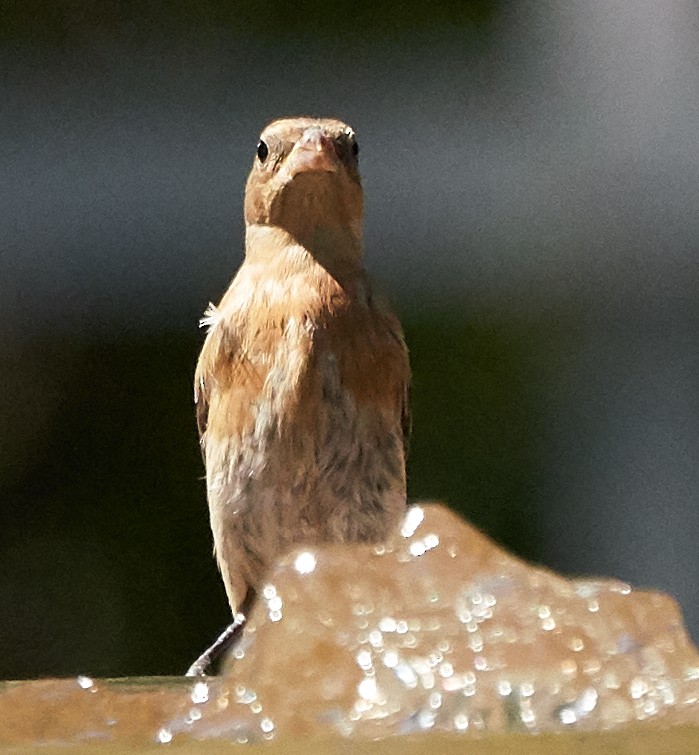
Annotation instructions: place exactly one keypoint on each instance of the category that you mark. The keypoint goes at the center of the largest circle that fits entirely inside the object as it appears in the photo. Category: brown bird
(302, 383)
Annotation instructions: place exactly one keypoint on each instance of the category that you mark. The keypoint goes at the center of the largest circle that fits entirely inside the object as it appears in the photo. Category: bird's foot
(214, 651)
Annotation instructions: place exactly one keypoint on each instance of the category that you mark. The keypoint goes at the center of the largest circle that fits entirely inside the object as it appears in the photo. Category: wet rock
(438, 630)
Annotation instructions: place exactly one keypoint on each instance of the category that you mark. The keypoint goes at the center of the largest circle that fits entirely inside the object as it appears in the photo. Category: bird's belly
(331, 471)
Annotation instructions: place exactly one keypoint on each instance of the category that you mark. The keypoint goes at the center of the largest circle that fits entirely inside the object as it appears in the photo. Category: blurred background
(531, 173)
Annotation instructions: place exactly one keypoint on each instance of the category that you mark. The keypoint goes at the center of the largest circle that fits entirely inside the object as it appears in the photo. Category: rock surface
(438, 630)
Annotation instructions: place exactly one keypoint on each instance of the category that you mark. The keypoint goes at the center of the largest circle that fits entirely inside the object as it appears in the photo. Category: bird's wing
(225, 379)
(204, 376)
(400, 350)
(220, 350)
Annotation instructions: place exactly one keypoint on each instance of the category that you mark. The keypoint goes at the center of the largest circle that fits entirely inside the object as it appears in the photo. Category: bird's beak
(314, 152)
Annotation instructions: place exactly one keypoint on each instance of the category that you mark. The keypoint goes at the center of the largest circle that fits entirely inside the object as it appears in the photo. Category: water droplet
(269, 591)
(376, 638)
(387, 625)
(364, 660)
(412, 521)
(567, 716)
(390, 659)
(638, 687)
(446, 670)
(587, 701)
(504, 688)
(305, 562)
(407, 675)
(200, 693)
(368, 689)
(528, 717)
(417, 548)
(275, 603)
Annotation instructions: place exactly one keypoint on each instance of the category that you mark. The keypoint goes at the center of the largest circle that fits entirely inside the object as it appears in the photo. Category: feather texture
(302, 384)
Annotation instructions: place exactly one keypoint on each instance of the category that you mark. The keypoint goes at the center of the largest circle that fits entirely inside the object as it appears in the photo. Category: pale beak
(314, 152)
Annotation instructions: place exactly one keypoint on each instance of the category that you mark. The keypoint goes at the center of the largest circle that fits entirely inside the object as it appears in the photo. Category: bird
(302, 385)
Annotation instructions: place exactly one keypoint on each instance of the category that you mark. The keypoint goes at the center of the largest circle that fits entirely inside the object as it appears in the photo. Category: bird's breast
(313, 399)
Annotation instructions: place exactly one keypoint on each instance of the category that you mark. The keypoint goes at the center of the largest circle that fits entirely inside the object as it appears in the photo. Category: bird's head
(305, 181)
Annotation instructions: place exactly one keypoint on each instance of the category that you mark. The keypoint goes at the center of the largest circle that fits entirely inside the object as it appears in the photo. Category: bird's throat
(337, 249)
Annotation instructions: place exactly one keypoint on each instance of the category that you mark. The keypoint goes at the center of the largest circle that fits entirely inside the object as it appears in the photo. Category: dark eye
(262, 151)
(355, 149)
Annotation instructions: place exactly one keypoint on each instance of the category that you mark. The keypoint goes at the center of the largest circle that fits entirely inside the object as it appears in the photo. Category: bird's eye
(262, 151)
(355, 149)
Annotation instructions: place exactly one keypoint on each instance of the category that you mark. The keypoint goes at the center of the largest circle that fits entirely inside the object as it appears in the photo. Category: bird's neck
(337, 250)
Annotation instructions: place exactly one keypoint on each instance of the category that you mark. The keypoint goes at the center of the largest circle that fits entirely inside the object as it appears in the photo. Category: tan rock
(440, 629)
(437, 631)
